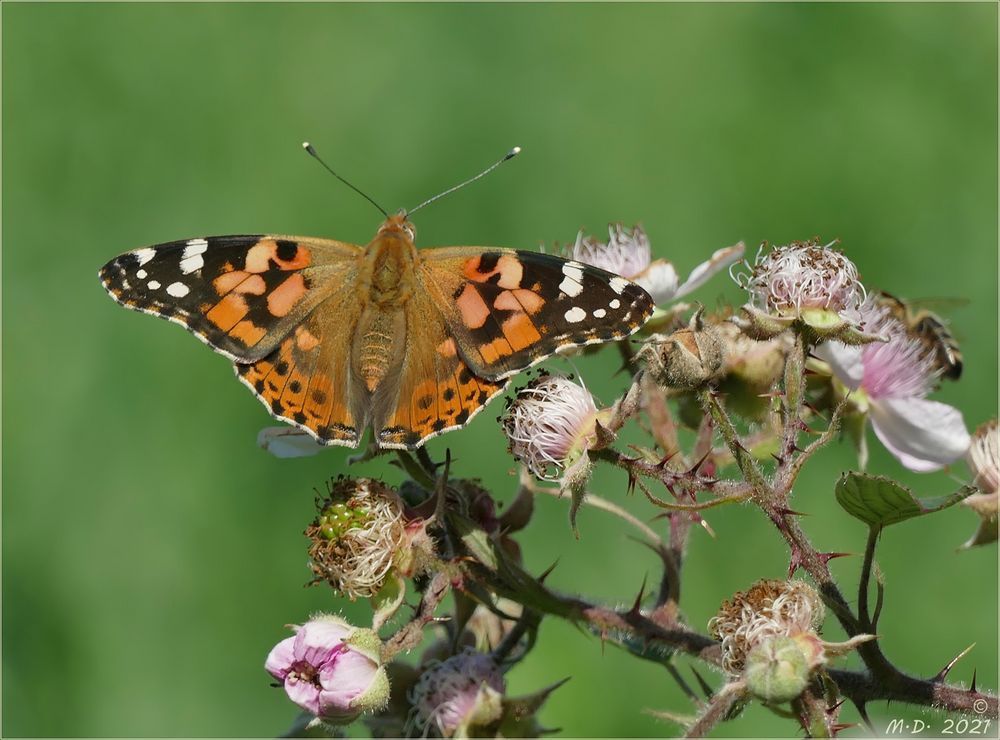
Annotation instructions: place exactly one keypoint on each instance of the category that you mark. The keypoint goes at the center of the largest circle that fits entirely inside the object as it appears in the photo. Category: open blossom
(331, 669)
(890, 380)
(453, 695)
(550, 424)
(627, 253)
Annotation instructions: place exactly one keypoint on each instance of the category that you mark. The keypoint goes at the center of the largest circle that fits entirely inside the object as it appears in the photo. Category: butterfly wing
(281, 308)
(434, 389)
(507, 309)
(241, 295)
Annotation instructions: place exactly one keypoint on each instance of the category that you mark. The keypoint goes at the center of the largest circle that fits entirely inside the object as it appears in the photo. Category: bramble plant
(735, 403)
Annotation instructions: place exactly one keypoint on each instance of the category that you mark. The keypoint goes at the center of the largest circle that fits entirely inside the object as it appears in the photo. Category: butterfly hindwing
(306, 380)
(435, 390)
(239, 294)
(507, 309)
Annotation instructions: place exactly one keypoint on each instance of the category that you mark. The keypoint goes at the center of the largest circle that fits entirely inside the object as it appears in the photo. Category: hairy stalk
(717, 709)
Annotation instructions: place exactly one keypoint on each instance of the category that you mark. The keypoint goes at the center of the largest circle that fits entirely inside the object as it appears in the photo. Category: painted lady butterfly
(334, 337)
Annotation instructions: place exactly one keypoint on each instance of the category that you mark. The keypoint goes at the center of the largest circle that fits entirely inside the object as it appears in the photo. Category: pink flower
(550, 424)
(627, 253)
(890, 380)
(331, 669)
(464, 691)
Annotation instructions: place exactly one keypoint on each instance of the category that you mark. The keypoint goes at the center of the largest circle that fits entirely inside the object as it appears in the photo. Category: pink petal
(844, 361)
(280, 659)
(720, 260)
(924, 435)
(305, 694)
(659, 280)
(319, 640)
(348, 676)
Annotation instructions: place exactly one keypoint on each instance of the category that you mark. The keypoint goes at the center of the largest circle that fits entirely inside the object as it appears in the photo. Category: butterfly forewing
(507, 309)
(239, 294)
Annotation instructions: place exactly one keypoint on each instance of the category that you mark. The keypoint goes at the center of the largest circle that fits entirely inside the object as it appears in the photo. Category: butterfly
(335, 338)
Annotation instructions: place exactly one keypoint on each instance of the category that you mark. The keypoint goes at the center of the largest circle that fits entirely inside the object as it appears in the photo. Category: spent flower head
(769, 608)
(358, 536)
(331, 669)
(550, 424)
(889, 380)
(459, 693)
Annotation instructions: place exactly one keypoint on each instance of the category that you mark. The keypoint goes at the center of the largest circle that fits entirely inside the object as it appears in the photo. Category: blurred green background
(152, 554)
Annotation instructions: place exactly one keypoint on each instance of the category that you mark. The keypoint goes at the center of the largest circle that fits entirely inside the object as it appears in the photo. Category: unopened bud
(689, 358)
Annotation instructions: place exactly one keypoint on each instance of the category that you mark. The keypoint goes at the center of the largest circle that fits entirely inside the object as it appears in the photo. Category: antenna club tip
(513, 153)
(308, 147)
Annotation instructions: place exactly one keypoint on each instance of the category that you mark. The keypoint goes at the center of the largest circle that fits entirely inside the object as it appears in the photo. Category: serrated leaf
(879, 501)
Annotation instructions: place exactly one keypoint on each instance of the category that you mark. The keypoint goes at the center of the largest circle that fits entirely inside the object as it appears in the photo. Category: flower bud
(550, 424)
(689, 358)
(984, 462)
(358, 536)
(460, 693)
(331, 669)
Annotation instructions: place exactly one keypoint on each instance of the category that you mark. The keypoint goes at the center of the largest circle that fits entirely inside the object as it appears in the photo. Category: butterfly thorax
(386, 284)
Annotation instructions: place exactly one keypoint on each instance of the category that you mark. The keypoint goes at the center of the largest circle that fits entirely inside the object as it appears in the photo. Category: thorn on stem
(547, 571)
(638, 599)
(972, 688)
(943, 673)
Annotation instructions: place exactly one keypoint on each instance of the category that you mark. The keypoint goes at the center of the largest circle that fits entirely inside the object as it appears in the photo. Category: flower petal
(348, 676)
(287, 442)
(320, 640)
(303, 693)
(720, 260)
(659, 280)
(924, 435)
(280, 659)
(844, 360)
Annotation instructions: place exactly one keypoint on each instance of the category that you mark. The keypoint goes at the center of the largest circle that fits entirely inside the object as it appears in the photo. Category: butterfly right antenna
(509, 155)
(312, 153)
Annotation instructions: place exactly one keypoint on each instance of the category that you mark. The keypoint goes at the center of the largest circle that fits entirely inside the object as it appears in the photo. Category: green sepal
(386, 602)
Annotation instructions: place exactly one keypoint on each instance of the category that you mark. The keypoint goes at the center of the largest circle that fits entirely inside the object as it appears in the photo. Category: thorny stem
(866, 571)
(746, 462)
(410, 635)
(717, 709)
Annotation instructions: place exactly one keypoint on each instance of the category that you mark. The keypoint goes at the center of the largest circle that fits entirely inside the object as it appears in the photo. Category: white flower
(627, 253)
(891, 380)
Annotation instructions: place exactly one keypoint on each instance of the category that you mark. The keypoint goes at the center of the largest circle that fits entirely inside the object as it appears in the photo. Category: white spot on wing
(598, 314)
(615, 304)
(575, 315)
(178, 290)
(144, 255)
(570, 287)
(618, 284)
(195, 246)
(191, 259)
(153, 285)
(141, 274)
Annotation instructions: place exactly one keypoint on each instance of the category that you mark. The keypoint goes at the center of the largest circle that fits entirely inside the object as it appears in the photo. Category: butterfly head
(397, 226)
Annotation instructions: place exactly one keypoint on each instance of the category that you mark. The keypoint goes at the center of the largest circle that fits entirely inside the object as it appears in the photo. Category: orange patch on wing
(472, 307)
(519, 299)
(493, 351)
(447, 348)
(227, 312)
(227, 281)
(247, 332)
(259, 255)
(282, 299)
(520, 332)
(304, 339)
(254, 285)
(301, 258)
(510, 268)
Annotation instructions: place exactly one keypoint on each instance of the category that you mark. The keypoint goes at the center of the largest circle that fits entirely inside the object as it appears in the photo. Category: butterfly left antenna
(312, 153)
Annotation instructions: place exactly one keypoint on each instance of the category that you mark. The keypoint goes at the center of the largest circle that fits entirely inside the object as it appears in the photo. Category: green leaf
(879, 501)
